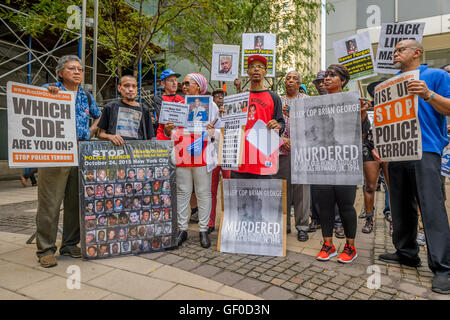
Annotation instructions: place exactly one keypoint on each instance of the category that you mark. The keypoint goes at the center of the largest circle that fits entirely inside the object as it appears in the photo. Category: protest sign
(174, 112)
(225, 62)
(236, 108)
(254, 218)
(391, 34)
(445, 168)
(326, 140)
(396, 134)
(41, 127)
(355, 53)
(199, 112)
(262, 44)
(127, 198)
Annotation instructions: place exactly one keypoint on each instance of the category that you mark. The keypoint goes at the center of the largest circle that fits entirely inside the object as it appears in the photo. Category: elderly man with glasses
(61, 183)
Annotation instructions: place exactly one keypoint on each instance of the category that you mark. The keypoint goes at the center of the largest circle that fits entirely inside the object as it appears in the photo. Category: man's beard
(129, 99)
(397, 65)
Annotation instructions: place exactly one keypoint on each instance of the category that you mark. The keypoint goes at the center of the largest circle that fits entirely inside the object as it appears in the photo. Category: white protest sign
(174, 112)
(263, 44)
(225, 62)
(355, 53)
(391, 34)
(41, 127)
(397, 135)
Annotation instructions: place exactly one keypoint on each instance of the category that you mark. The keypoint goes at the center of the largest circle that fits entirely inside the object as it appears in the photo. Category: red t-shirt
(263, 105)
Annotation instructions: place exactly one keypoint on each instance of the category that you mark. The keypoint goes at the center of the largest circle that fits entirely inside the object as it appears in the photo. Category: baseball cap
(320, 76)
(168, 72)
(219, 90)
(257, 57)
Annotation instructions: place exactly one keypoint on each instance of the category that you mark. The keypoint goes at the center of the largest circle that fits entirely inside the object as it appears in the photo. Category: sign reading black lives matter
(391, 34)
(254, 218)
(397, 135)
(127, 198)
(41, 127)
(326, 140)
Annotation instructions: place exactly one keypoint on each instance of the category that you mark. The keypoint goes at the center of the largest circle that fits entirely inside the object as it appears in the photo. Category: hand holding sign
(420, 88)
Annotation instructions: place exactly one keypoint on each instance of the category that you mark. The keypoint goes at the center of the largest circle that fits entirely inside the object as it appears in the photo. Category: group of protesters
(411, 184)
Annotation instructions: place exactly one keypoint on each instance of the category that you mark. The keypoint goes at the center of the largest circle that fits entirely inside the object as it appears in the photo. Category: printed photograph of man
(122, 234)
(146, 201)
(144, 246)
(136, 246)
(166, 173)
(89, 176)
(251, 112)
(156, 215)
(166, 186)
(158, 229)
(99, 206)
(123, 218)
(89, 192)
(149, 173)
(157, 188)
(156, 201)
(156, 243)
(99, 191)
(131, 174)
(118, 205)
(158, 173)
(90, 236)
(145, 216)
(92, 251)
(136, 203)
(109, 206)
(121, 175)
(126, 247)
(109, 191)
(103, 250)
(112, 219)
(89, 222)
(138, 187)
(101, 221)
(141, 174)
(150, 230)
(319, 131)
(101, 235)
(114, 249)
(147, 188)
(132, 233)
(129, 189)
(226, 62)
(166, 214)
(101, 175)
(134, 217)
(119, 189)
(259, 42)
(128, 203)
(166, 200)
(142, 231)
(351, 46)
(166, 242)
(198, 111)
(89, 207)
(111, 234)
(167, 228)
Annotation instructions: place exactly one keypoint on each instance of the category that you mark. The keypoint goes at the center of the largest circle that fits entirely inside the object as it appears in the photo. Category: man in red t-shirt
(264, 105)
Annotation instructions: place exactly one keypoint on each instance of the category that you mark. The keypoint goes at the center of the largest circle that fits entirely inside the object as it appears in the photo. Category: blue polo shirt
(82, 110)
(433, 124)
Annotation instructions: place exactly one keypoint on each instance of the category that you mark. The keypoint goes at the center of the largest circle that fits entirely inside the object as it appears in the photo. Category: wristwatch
(430, 97)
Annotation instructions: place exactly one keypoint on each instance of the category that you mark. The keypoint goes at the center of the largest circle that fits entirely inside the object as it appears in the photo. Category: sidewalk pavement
(191, 272)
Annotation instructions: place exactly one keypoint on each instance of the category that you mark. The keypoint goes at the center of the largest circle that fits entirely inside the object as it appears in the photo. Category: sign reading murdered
(391, 34)
(41, 127)
(127, 198)
(326, 140)
(262, 44)
(225, 62)
(397, 135)
(355, 53)
(254, 218)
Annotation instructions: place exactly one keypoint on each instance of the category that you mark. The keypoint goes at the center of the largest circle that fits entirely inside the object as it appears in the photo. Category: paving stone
(352, 285)
(360, 296)
(222, 265)
(271, 273)
(388, 290)
(259, 269)
(253, 274)
(346, 291)
(153, 255)
(277, 281)
(169, 259)
(405, 296)
(323, 277)
(316, 269)
(318, 296)
(278, 269)
(242, 271)
(289, 285)
(382, 296)
(324, 290)
(283, 276)
(412, 289)
(250, 285)
(317, 281)
(289, 272)
(14, 276)
(232, 267)
(276, 293)
(228, 278)
(265, 278)
(180, 292)
(339, 295)
(331, 285)
(310, 285)
(366, 290)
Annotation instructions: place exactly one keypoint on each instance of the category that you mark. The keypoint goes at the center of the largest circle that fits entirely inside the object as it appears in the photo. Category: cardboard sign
(225, 62)
(397, 135)
(127, 198)
(391, 34)
(174, 112)
(41, 127)
(263, 44)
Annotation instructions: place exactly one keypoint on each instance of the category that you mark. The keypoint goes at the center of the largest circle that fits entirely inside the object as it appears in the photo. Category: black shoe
(204, 240)
(302, 236)
(288, 229)
(182, 237)
(211, 229)
(396, 259)
(339, 232)
(313, 226)
(441, 284)
(194, 216)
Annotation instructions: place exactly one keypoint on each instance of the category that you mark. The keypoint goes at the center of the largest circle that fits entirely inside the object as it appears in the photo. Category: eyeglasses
(401, 49)
(73, 69)
(256, 66)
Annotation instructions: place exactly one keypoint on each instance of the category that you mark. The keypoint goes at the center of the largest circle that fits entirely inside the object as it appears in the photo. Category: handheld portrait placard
(127, 198)
(263, 44)
(199, 112)
(41, 127)
(225, 62)
(174, 112)
(355, 53)
(391, 34)
(326, 140)
(397, 135)
(254, 218)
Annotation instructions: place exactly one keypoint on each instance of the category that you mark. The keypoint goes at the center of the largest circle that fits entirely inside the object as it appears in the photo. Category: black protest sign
(397, 135)
(127, 198)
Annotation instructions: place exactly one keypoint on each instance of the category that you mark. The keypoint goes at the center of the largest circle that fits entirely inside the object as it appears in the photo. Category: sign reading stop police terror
(41, 127)
(397, 134)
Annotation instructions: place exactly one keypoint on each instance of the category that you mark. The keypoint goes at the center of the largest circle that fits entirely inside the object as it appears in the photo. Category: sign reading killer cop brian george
(41, 127)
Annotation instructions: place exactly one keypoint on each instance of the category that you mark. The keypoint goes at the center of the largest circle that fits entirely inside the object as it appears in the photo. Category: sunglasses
(330, 74)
